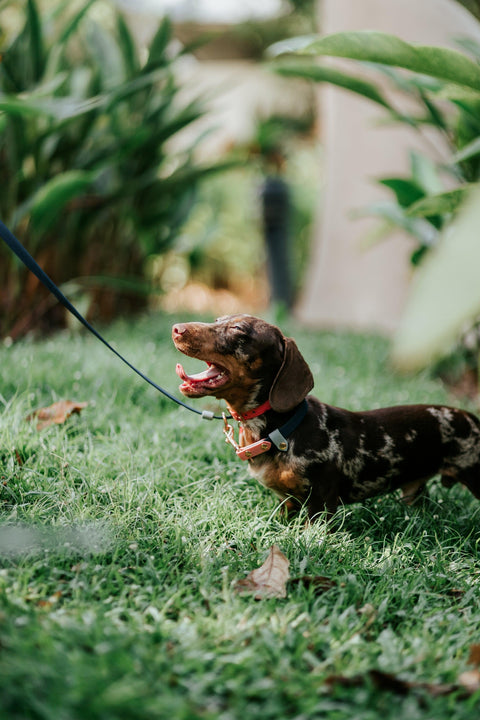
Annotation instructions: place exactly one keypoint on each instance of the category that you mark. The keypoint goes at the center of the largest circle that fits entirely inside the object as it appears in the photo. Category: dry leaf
(57, 413)
(474, 656)
(269, 580)
(52, 600)
(470, 680)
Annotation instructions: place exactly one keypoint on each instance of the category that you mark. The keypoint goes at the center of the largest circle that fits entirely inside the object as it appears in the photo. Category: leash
(24, 256)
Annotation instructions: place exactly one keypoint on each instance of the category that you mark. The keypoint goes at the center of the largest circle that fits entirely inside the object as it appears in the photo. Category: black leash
(25, 257)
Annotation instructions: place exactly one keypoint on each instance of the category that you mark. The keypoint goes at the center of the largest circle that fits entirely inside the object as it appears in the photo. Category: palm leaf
(71, 27)
(56, 108)
(156, 56)
(321, 74)
(371, 46)
(37, 54)
(128, 47)
(50, 200)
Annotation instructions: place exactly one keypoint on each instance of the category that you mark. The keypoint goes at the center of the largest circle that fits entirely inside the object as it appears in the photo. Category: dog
(312, 454)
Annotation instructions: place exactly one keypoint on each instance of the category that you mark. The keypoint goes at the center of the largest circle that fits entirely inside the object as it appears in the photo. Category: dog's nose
(178, 330)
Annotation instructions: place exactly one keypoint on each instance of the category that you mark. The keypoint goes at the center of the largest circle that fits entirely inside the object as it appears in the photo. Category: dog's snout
(178, 330)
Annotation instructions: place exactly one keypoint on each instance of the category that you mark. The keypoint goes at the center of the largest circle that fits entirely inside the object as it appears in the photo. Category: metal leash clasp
(228, 432)
(247, 452)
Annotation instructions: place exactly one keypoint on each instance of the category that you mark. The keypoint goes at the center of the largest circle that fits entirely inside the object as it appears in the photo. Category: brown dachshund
(311, 453)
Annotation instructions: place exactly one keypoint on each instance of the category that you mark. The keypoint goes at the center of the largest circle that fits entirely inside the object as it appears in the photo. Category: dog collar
(250, 414)
(278, 437)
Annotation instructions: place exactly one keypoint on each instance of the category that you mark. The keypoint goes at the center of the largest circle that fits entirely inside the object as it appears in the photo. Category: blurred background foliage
(425, 200)
(221, 246)
(438, 89)
(89, 181)
(95, 185)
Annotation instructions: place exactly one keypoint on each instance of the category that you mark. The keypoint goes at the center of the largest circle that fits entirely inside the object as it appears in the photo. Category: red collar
(250, 414)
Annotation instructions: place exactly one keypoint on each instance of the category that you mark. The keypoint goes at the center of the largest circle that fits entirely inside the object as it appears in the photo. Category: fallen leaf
(269, 580)
(319, 583)
(474, 656)
(57, 413)
(52, 600)
(470, 680)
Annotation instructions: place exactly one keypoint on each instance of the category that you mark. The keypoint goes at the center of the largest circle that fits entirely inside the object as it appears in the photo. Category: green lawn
(122, 534)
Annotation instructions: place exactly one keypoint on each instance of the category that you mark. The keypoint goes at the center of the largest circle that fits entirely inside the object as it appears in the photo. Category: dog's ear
(293, 382)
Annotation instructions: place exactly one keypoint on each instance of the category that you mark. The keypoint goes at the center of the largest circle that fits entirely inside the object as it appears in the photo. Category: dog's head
(248, 360)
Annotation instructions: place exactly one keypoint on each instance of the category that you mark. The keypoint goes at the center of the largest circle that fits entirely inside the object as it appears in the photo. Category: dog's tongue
(211, 372)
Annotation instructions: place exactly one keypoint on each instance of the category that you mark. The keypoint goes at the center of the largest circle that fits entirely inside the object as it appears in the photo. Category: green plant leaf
(467, 152)
(22, 64)
(424, 173)
(441, 203)
(406, 191)
(49, 201)
(445, 294)
(107, 55)
(396, 216)
(37, 54)
(56, 108)
(320, 74)
(140, 83)
(156, 56)
(71, 27)
(128, 47)
(386, 49)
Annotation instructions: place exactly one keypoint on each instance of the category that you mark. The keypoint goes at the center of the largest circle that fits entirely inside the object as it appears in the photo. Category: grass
(123, 531)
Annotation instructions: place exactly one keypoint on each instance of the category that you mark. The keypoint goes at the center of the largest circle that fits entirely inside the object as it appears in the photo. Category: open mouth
(204, 382)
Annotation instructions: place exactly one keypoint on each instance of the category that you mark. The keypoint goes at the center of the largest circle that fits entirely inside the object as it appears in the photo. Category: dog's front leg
(324, 493)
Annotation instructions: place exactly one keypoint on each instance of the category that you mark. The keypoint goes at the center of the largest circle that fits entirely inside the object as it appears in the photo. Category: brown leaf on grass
(269, 580)
(52, 600)
(474, 656)
(56, 414)
(470, 681)
(319, 583)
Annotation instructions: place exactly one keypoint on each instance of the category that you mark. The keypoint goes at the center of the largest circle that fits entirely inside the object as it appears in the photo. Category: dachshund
(307, 452)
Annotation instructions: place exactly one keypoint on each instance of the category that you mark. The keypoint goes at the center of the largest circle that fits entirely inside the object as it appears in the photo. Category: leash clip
(228, 432)
(247, 451)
